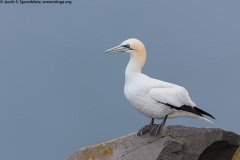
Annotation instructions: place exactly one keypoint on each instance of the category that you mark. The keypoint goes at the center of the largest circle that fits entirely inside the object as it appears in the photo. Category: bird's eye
(127, 46)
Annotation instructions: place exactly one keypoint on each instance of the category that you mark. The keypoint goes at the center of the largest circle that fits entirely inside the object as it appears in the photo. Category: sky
(59, 92)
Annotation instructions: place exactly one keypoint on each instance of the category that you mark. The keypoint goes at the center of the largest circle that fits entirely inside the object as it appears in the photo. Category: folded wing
(176, 98)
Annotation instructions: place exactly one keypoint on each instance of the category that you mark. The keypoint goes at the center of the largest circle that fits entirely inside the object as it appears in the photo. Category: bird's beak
(116, 49)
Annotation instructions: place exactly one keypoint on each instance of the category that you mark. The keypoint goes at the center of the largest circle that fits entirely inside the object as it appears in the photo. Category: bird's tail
(202, 112)
(204, 119)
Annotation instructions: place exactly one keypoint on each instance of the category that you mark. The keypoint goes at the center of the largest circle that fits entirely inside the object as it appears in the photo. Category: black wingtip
(203, 112)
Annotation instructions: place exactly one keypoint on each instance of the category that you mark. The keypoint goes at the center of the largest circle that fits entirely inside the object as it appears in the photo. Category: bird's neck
(135, 64)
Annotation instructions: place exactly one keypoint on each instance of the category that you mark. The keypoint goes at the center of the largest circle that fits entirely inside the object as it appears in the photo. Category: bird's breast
(138, 97)
(136, 94)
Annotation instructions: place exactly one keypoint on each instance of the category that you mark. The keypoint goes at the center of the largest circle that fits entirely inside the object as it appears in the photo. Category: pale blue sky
(60, 92)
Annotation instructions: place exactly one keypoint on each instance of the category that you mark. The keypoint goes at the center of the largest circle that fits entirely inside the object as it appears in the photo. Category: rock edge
(173, 142)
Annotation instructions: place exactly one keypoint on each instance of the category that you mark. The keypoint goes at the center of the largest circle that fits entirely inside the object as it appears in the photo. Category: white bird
(151, 97)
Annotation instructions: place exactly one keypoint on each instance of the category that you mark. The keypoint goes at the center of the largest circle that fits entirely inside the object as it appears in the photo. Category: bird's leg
(146, 128)
(155, 129)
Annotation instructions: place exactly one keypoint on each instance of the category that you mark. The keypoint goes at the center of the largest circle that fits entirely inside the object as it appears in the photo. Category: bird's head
(136, 50)
(132, 46)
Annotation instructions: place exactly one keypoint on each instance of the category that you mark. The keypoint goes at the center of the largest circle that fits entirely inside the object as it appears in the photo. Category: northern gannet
(151, 97)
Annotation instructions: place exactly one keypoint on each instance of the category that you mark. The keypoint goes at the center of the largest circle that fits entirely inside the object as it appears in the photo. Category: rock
(172, 143)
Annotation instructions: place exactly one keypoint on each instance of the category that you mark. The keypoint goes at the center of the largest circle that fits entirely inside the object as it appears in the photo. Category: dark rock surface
(172, 143)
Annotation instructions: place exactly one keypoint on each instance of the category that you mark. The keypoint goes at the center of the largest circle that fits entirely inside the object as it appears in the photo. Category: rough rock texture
(172, 143)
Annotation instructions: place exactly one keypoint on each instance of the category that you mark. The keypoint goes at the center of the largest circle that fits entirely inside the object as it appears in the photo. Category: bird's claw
(154, 131)
(145, 129)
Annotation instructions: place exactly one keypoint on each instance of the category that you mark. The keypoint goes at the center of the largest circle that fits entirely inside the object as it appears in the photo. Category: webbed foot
(154, 131)
(145, 129)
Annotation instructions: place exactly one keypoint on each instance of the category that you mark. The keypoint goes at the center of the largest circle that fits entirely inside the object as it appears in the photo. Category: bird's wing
(176, 96)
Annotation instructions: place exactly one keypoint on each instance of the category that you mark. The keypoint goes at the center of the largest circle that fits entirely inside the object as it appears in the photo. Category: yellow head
(134, 47)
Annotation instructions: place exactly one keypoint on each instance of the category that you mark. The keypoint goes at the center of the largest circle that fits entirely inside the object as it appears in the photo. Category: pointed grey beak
(117, 49)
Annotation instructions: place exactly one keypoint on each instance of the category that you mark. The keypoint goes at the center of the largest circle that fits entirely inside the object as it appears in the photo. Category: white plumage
(151, 97)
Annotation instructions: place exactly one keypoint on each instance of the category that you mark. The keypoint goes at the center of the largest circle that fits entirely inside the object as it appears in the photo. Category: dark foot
(154, 131)
(145, 129)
